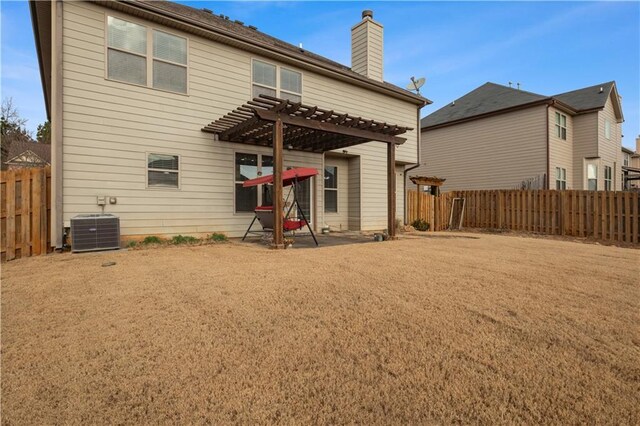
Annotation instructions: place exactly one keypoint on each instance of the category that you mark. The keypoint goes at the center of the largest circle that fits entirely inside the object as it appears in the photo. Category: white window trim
(331, 189)
(559, 126)
(607, 129)
(233, 177)
(277, 88)
(610, 179)
(149, 55)
(146, 173)
(561, 180)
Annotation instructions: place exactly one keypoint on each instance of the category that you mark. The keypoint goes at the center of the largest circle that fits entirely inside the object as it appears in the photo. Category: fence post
(11, 214)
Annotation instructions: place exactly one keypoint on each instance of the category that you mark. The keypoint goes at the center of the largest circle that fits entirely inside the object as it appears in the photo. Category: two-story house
(631, 167)
(130, 86)
(498, 137)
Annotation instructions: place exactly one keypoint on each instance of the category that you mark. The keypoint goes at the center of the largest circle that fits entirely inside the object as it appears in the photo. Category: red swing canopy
(288, 177)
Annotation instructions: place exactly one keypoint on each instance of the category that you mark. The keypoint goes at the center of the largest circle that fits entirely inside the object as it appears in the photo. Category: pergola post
(391, 190)
(278, 211)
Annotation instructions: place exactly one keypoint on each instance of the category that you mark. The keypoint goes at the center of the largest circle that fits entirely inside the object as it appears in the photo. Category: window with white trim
(163, 171)
(129, 59)
(561, 126)
(561, 178)
(607, 128)
(330, 189)
(625, 161)
(274, 80)
(250, 166)
(592, 177)
(608, 178)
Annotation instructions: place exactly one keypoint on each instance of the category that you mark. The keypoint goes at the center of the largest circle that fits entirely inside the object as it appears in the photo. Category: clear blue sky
(549, 47)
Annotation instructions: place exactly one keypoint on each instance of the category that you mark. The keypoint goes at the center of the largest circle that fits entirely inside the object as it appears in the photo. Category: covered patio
(279, 123)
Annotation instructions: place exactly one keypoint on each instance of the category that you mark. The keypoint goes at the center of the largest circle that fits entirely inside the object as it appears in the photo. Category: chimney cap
(367, 13)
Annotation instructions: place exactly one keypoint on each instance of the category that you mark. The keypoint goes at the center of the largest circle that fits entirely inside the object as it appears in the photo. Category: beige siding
(355, 197)
(367, 49)
(339, 221)
(560, 150)
(497, 152)
(585, 145)
(609, 149)
(109, 127)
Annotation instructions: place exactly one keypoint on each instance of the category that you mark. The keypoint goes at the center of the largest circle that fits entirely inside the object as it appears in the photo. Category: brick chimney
(638, 145)
(367, 47)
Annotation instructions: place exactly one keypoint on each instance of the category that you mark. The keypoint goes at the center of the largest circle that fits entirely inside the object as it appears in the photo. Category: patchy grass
(152, 239)
(217, 237)
(184, 239)
(431, 329)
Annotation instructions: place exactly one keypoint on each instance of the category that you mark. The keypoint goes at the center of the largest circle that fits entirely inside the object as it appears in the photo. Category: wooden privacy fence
(431, 208)
(609, 216)
(26, 212)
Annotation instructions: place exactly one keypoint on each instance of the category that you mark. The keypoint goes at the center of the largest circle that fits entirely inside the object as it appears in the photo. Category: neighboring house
(130, 85)
(498, 137)
(631, 167)
(22, 152)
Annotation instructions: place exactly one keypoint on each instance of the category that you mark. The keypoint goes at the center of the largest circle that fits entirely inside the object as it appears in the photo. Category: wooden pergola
(275, 122)
(431, 181)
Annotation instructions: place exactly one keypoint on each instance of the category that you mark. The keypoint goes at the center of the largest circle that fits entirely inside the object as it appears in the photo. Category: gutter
(36, 37)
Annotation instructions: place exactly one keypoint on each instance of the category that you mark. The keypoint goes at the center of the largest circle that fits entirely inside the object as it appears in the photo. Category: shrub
(420, 225)
(132, 244)
(217, 237)
(184, 239)
(151, 239)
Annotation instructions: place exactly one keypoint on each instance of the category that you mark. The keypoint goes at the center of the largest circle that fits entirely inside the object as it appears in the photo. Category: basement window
(561, 178)
(163, 171)
(561, 126)
(331, 189)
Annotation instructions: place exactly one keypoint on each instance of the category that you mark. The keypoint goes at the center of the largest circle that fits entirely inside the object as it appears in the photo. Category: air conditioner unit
(92, 232)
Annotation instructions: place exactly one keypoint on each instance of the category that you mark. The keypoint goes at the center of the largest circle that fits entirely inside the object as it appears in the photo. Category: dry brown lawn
(454, 328)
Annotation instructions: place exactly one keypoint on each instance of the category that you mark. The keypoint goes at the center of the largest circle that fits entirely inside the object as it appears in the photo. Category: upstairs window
(272, 80)
(626, 160)
(607, 129)
(163, 171)
(608, 175)
(561, 126)
(330, 189)
(127, 51)
(129, 59)
(561, 178)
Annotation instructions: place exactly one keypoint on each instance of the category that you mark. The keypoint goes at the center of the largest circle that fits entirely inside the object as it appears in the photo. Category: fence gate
(26, 212)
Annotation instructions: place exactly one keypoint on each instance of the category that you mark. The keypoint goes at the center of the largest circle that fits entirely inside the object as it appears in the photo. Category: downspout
(404, 179)
(57, 223)
(548, 176)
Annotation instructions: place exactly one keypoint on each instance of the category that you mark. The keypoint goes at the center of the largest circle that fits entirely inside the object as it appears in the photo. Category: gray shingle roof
(491, 97)
(588, 97)
(487, 98)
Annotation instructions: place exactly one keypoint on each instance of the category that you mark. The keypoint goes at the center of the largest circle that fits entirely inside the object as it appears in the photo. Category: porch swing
(294, 219)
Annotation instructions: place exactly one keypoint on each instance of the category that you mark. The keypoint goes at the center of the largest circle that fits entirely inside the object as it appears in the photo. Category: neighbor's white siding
(585, 145)
(496, 152)
(109, 127)
(609, 150)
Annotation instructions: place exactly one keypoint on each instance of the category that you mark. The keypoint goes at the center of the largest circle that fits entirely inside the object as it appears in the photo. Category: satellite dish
(416, 84)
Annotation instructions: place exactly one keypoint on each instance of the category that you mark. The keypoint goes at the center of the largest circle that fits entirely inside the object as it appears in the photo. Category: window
(561, 178)
(269, 79)
(561, 126)
(126, 51)
(250, 166)
(163, 171)
(607, 178)
(592, 177)
(607, 129)
(625, 160)
(169, 62)
(330, 189)
(128, 59)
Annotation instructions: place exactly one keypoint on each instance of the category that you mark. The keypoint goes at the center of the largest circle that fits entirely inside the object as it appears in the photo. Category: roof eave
(273, 52)
(36, 36)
